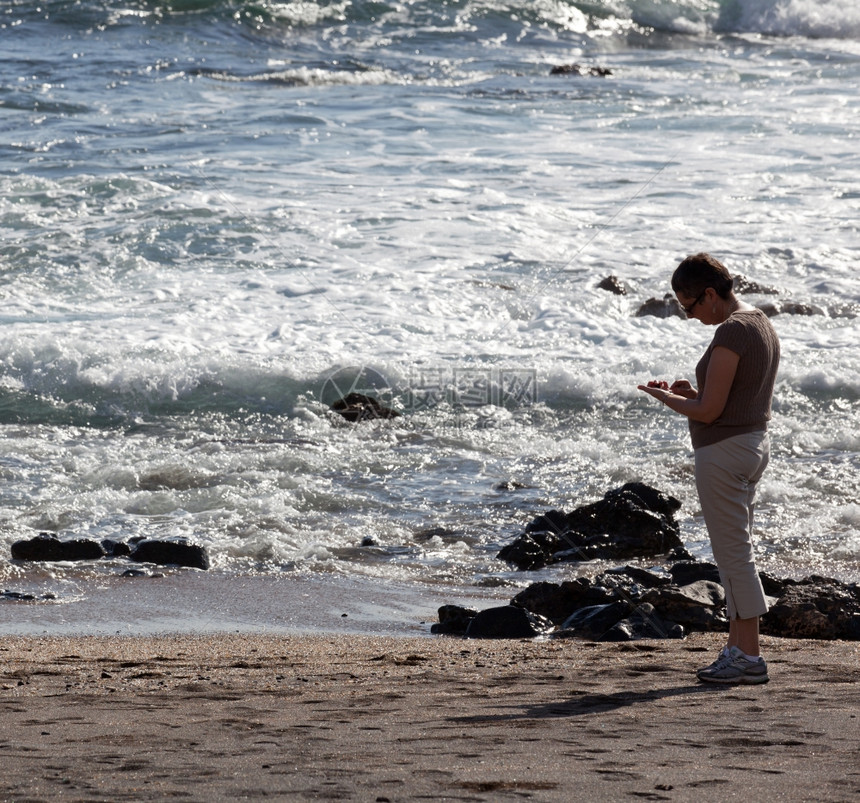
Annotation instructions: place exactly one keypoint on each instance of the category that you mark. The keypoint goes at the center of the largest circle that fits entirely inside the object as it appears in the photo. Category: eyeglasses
(689, 310)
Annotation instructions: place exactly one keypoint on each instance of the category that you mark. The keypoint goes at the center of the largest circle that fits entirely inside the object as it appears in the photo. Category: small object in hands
(657, 383)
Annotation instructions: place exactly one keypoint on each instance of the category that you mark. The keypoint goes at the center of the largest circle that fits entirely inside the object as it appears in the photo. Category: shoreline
(352, 717)
(188, 602)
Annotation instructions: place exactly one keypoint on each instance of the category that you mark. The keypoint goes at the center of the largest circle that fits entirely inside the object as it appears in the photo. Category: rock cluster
(635, 520)
(630, 603)
(48, 547)
(668, 306)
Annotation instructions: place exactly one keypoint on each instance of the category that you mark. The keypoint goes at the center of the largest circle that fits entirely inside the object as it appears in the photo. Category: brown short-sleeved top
(751, 335)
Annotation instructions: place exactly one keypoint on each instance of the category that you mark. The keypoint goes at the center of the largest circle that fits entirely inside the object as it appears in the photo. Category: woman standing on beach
(728, 413)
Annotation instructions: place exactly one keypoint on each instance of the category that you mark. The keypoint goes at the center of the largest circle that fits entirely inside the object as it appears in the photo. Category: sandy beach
(356, 717)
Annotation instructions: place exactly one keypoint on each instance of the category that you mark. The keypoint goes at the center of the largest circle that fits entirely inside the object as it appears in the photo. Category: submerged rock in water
(666, 307)
(635, 520)
(359, 407)
(614, 285)
(27, 596)
(743, 285)
(578, 69)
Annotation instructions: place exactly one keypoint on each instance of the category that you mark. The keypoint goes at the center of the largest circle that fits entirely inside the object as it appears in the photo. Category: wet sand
(355, 717)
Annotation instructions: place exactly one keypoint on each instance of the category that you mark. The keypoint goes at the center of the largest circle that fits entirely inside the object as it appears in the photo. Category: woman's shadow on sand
(583, 704)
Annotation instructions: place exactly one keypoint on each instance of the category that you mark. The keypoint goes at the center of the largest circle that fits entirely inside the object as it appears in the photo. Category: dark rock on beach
(503, 621)
(593, 621)
(556, 601)
(816, 607)
(618, 622)
(359, 407)
(171, 553)
(689, 571)
(115, 549)
(453, 620)
(48, 547)
(507, 621)
(643, 623)
(632, 521)
(629, 602)
(697, 606)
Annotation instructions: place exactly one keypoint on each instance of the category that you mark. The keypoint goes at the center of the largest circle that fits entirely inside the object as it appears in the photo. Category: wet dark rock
(789, 308)
(18, 596)
(171, 553)
(615, 586)
(510, 485)
(646, 496)
(453, 620)
(359, 407)
(594, 621)
(632, 603)
(666, 307)
(642, 623)
(533, 550)
(643, 577)
(578, 69)
(115, 549)
(614, 285)
(817, 608)
(438, 532)
(27, 596)
(744, 286)
(799, 308)
(507, 621)
(555, 601)
(48, 547)
(772, 586)
(849, 310)
(689, 571)
(632, 521)
(697, 606)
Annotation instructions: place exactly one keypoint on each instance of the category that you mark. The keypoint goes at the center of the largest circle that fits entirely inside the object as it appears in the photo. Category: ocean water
(217, 216)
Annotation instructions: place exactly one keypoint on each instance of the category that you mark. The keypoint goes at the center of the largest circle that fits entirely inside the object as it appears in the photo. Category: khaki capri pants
(726, 477)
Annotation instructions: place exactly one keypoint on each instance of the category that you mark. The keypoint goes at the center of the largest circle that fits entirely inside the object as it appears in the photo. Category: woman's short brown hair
(697, 273)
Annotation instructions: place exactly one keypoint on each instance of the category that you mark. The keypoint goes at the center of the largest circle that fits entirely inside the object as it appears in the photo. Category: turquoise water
(215, 213)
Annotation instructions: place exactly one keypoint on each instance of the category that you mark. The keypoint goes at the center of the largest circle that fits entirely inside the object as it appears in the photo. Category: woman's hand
(656, 388)
(681, 387)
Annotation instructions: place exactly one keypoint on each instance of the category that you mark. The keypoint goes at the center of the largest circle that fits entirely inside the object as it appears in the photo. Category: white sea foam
(837, 19)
